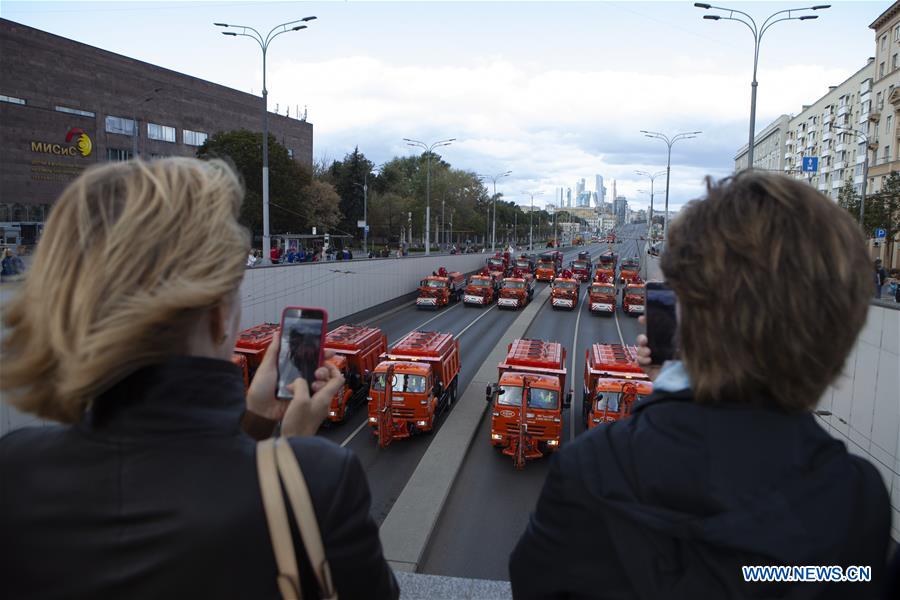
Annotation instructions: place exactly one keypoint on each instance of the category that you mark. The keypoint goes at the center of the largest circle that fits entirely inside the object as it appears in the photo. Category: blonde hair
(131, 254)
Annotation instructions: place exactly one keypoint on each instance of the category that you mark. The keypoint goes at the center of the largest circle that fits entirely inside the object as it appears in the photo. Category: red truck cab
(516, 291)
(602, 296)
(581, 270)
(634, 297)
(357, 349)
(528, 399)
(481, 290)
(631, 268)
(440, 289)
(613, 382)
(498, 264)
(565, 291)
(250, 348)
(414, 382)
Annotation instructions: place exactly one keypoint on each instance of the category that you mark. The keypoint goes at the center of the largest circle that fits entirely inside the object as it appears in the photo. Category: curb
(407, 529)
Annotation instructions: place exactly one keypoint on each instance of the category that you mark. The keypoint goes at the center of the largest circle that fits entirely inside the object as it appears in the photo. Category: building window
(881, 70)
(75, 111)
(890, 122)
(161, 132)
(117, 154)
(883, 42)
(11, 99)
(887, 153)
(290, 153)
(894, 61)
(193, 138)
(119, 125)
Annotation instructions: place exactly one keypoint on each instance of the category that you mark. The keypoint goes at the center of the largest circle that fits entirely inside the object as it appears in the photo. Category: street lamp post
(862, 200)
(757, 38)
(652, 177)
(365, 189)
(494, 178)
(429, 150)
(669, 141)
(531, 221)
(264, 46)
(136, 127)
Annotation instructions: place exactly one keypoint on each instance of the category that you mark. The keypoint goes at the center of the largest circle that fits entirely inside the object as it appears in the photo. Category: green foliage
(882, 208)
(287, 180)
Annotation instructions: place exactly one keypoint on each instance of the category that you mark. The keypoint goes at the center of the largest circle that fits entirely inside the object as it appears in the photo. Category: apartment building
(885, 94)
(769, 147)
(831, 129)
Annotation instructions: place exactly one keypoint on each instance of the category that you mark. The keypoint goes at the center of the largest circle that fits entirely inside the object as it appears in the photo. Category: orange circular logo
(83, 141)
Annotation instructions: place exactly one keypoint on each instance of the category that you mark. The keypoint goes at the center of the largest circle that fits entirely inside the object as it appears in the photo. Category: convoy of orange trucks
(441, 288)
(613, 382)
(565, 291)
(499, 263)
(528, 399)
(356, 350)
(415, 381)
(481, 290)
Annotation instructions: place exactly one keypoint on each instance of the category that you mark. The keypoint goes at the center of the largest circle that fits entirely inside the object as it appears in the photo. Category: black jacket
(155, 495)
(671, 502)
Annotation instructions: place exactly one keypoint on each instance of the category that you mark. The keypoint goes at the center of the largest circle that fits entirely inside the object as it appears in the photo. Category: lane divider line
(355, 431)
(572, 376)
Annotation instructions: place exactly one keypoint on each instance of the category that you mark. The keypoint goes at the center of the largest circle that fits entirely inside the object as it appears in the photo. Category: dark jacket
(155, 495)
(671, 502)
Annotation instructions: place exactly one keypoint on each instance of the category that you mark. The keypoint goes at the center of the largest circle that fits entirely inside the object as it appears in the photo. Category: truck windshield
(602, 289)
(513, 285)
(638, 291)
(545, 264)
(608, 401)
(537, 398)
(495, 262)
(435, 284)
(564, 285)
(480, 283)
(402, 383)
(579, 264)
(524, 264)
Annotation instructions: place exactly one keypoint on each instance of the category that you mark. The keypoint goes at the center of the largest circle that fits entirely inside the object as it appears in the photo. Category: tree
(347, 177)
(322, 205)
(884, 209)
(243, 149)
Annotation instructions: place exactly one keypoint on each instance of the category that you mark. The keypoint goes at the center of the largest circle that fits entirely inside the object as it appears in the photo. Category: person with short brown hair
(725, 466)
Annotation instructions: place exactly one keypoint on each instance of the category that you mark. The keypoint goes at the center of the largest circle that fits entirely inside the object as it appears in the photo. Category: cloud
(550, 126)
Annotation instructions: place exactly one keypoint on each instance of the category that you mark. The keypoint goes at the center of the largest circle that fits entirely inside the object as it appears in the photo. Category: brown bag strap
(301, 504)
(277, 520)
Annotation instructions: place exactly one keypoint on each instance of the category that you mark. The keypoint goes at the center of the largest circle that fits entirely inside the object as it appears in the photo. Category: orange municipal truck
(482, 290)
(633, 296)
(613, 382)
(356, 350)
(528, 398)
(499, 263)
(250, 348)
(440, 288)
(516, 291)
(631, 267)
(565, 291)
(414, 382)
(602, 296)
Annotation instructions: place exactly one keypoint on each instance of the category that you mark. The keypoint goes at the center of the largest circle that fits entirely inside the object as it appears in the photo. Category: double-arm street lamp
(365, 188)
(531, 220)
(669, 141)
(264, 42)
(652, 177)
(429, 150)
(758, 32)
(494, 178)
(865, 138)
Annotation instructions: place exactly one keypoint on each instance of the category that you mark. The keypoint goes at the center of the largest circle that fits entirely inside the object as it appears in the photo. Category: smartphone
(302, 342)
(661, 322)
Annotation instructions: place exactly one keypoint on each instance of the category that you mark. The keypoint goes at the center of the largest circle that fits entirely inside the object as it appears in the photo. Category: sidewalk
(654, 273)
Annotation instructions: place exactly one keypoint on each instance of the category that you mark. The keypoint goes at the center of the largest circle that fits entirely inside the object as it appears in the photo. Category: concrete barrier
(341, 287)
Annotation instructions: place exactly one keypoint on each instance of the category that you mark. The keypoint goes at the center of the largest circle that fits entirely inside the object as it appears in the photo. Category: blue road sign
(810, 164)
(880, 233)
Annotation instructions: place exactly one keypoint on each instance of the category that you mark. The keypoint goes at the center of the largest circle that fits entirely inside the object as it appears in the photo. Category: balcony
(839, 165)
(840, 147)
(863, 117)
(788, 155)
(827, 135)
(827, 119)
(835, 183)
(860, 158)
(843, 110)
(865, 87)
(825, 152)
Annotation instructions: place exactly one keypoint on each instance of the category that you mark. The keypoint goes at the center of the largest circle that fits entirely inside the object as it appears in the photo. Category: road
(490, 502)
(479, 330)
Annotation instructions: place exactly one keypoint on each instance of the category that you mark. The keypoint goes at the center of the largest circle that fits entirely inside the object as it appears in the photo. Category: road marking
(355, 431)
(418, 327)
(572, 377)
(478, 318)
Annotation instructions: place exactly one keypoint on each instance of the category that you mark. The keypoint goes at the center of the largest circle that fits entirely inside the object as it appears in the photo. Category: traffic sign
(367, 229)
(360, 223)
(810, 164)
(880, 233)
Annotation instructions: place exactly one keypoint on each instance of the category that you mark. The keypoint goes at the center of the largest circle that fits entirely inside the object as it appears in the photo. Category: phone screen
(301, 347)
(661, 322)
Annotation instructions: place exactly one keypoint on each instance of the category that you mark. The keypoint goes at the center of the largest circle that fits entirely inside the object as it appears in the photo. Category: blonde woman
(148, 487)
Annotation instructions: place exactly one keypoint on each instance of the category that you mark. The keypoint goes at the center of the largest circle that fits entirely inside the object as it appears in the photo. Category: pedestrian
(147, 487)
(726, 465)
(275, 254)
(8, 265)
(251, 258)
(880, 276)
(349, 254)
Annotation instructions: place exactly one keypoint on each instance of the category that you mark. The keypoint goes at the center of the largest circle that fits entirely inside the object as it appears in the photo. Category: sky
(552, 91)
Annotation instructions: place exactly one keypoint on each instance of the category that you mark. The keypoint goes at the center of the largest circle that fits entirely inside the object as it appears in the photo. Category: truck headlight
(596, 420)
(496, 436)
(422, 423)
(374, 420)
(553, 442)
(423, 402)
(332, 413)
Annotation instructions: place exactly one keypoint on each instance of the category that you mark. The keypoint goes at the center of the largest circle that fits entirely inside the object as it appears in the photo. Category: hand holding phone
(661, 322)
(301, 344)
